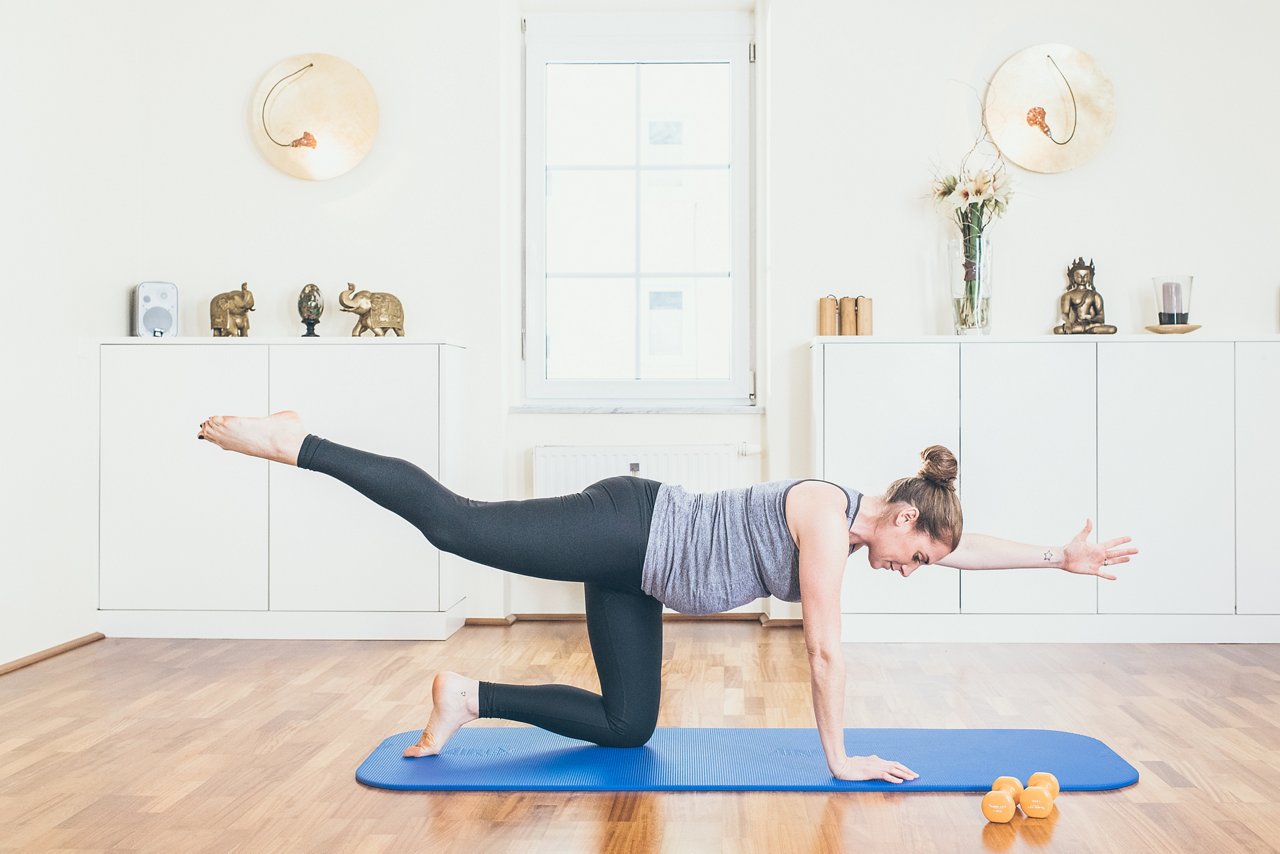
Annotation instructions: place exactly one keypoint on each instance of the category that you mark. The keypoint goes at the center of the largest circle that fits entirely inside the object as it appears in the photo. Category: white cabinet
(1028, 467)
(880, 407)
(1166, 439)
(183, 525)
(1166, 466)
(1257, 477)
(332, 549)
(201, 542)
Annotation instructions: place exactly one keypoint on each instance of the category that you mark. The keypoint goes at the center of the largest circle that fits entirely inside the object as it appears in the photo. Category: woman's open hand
(873, 768)
(1085, 558)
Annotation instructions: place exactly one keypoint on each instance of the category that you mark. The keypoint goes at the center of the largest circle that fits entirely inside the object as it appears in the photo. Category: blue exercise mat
(947, 760)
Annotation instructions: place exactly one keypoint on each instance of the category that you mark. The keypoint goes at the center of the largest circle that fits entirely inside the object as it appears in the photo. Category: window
(638, 208)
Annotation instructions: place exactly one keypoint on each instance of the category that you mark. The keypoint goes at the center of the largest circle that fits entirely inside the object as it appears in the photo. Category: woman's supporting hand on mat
(873, 768)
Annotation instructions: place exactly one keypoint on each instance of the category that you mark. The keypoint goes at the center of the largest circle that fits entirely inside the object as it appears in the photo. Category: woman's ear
(907, 515)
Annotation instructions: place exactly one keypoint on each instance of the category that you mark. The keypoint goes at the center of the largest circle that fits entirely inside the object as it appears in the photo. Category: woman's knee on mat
(630, 730)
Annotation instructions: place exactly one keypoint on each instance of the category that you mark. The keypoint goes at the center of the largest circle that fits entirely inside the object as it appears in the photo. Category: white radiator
(561, 469)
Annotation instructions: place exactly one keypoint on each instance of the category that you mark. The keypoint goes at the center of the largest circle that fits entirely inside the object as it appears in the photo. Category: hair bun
(940, 466)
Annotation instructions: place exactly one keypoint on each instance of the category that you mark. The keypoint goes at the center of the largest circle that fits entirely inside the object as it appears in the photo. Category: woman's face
(898, 547)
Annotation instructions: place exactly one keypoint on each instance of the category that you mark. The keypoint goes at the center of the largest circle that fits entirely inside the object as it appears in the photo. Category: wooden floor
(177, 746)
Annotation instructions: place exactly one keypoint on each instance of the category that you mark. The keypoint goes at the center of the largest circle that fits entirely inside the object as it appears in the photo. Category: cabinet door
(882, 405)
(1028, 431)
(1166, 475)
(454, 571)
(1257, 477)
(183, 524)
(333, 549)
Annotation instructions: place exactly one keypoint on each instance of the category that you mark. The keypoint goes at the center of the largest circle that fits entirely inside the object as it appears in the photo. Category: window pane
(685, 220)
(685, 113)
(637, 208)
(591, 115)
(591, 222)
(686, 328)
(591, 329)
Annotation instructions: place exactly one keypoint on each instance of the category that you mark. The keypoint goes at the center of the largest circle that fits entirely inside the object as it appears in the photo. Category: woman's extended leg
(597, 536)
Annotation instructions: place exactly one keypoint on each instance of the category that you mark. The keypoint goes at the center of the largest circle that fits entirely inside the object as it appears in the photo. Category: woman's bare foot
(277, 437)
(455, 700)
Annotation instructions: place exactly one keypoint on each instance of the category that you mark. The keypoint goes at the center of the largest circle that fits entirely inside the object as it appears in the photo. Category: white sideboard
(200, 542)
(1163, 438)
(1257, 478)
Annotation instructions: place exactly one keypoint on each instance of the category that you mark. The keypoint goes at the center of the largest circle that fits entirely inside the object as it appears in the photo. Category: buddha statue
(1081, 304)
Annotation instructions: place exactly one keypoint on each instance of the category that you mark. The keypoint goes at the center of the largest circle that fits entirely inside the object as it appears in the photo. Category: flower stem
(971, 234)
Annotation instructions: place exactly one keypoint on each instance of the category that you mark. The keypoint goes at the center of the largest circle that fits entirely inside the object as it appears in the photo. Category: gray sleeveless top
(712, 551)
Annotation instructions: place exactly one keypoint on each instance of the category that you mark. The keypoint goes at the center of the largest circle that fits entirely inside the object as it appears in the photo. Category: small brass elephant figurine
(379, 313)
(229, 313)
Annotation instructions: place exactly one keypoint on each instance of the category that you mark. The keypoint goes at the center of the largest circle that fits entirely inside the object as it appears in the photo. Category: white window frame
(637, 38)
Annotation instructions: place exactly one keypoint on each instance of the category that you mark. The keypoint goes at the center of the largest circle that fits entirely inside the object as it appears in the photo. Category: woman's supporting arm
(824, 548)
(979, 551)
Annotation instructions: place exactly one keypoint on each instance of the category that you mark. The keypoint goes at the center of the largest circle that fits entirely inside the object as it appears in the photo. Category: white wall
(866, 98)
(128, 156)
(67, 101)
(132, 160)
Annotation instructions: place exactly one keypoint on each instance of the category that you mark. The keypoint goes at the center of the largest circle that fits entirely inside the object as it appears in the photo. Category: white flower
(943, 188)
(982, 185)
(963, 196)
(973, 198)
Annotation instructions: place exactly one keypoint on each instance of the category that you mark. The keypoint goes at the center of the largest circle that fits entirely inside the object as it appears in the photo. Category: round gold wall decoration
(1049, 108)
(314, 116)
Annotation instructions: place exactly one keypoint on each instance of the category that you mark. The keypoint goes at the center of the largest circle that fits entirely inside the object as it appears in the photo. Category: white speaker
(155, 310)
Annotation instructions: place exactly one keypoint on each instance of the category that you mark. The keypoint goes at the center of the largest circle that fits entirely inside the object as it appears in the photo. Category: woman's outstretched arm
(979, 551)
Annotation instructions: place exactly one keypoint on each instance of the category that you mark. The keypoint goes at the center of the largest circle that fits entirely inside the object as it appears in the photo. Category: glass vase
(969, 267)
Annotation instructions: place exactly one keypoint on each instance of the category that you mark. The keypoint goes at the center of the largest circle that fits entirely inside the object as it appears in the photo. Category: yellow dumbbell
(1007, 794)
(1038, 797)
(1047, 780)
(1012, 785)
(1035, 802)
(999, 806)
(1001, 803)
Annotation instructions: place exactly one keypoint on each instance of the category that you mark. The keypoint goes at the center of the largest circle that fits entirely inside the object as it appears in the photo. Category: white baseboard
(856, 628)
(1060, 628)
(281, 625)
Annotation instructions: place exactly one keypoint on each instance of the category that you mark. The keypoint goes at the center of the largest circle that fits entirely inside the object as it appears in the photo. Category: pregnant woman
(637, 545)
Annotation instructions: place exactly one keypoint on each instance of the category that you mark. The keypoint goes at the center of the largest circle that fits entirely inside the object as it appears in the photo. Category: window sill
(638, 408)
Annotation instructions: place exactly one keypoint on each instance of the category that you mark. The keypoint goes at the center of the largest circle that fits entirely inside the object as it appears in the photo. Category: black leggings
(597, 536)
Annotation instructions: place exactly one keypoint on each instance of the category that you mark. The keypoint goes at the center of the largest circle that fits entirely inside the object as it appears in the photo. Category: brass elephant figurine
(379, 313)
(229, 313)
